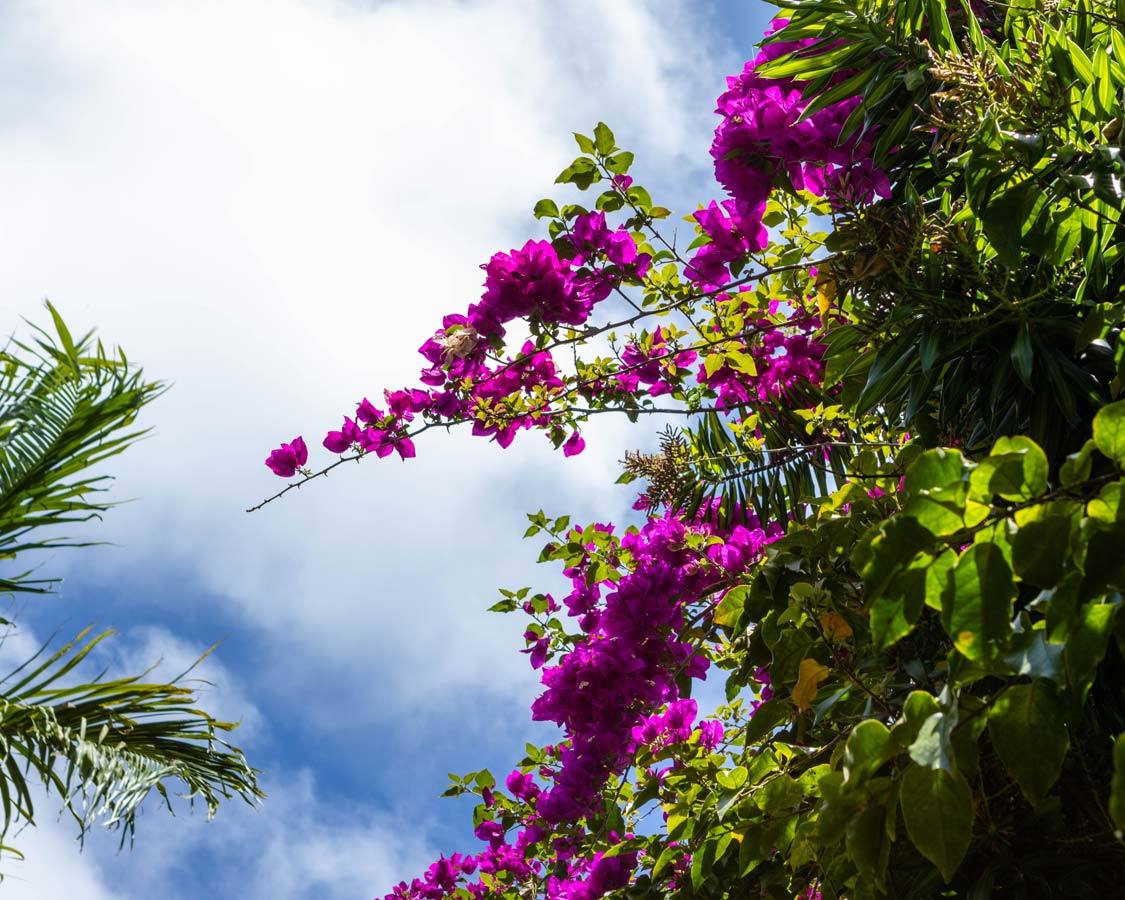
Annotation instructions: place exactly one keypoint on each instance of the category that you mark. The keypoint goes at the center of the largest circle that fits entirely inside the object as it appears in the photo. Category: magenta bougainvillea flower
(288, 458)
(344, 439)
(574, 445)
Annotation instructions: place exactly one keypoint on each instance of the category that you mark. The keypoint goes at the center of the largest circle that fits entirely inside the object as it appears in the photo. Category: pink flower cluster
(783, 357)
(675, 726)
(605, 693)
(762, 138)
(534, 283)
(735, 230)
(626, 666)
(653, 364)
(586, 878)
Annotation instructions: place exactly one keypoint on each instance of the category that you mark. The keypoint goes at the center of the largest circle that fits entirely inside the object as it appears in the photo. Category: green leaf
(730, 609)
(1091, 329)
(1022, 354)
(937, 492)
(768, 716)
(779, 793)
(1104, 562)
(1086, 645)
(582, 173)
(791, 647)
(937, 468)
(1002, 220)
(867, 842)
(1117, 786)
(966, 735)
(584, 143)
(712, 363)
(1108, 506)
(867, 749)
(546, 207)
(603, 139)
(933, 746)
(732, 779)
(977, 603)
(896, 609)
(1109, 431)
(667, 856)
(1015, 470)
(639, 197)
(1077, 466)
(919, 706)
(887, 550)
(1083, 65)
(619, 163)
(1041, 550)
(937, 808)
(1062, 607)
(1028, 729)
(1030, 653)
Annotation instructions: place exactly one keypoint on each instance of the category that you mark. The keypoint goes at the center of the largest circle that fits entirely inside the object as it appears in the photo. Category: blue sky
(270, 204)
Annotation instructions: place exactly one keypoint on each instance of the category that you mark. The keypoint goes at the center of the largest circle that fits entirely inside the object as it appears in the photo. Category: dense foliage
(67, 405)
(892, 520)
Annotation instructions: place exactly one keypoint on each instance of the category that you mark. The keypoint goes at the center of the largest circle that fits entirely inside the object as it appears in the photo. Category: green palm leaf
(65, 406)
(102, 745)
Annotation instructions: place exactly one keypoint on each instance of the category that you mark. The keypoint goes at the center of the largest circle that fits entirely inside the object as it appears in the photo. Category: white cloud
(298, 845)
(270, 203)
(53, 868)
(301, 846)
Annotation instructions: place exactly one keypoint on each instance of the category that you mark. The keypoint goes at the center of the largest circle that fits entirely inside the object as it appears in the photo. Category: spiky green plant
(103, 746)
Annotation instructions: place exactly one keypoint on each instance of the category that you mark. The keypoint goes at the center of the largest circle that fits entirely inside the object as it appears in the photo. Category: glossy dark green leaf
(868, 748)
(1031, 653)
(937, 808)
(867, 842)
(1028, 729)
(977, 603)
(1023, 354)
(1002, 219)
(1041, 550)
(1086, 645)
(887, 550)
(896, 609)
(933, 745)
(919, 706)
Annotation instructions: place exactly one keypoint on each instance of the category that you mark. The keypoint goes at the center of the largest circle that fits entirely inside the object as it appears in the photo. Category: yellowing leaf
(713, 363)
(836, 625)
(825, 294)
(743, 362)
(809, 677)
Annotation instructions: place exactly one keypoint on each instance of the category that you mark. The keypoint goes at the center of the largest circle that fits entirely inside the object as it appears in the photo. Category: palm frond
(770, 474)
(65, 406)
(105, 745)
(102, 745)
